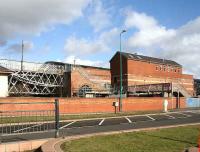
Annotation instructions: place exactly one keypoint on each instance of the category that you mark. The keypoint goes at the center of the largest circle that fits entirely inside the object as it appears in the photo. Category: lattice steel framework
(35, 79)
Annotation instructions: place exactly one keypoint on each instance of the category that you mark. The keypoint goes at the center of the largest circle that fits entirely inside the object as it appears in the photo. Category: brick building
(53, 79)
(62, 79)
(87, 81)
(144, 70)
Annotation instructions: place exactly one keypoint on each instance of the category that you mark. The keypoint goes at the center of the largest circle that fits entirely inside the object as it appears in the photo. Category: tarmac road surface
(70, 128)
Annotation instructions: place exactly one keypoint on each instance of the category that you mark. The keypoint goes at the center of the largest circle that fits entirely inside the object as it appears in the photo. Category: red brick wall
(187, 81)
(100, 72)
(140, 72)
(90, 105)
(140, 69)
(115, 70)
(149, 69)
(78, 80)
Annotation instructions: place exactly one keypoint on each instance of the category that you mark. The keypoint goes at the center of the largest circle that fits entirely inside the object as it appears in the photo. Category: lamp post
(22, 55)
(120, 99)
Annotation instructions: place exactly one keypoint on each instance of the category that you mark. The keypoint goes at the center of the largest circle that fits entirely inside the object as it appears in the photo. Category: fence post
(56, 118)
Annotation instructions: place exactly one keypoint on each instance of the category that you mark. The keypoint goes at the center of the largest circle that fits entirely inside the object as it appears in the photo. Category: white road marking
(67, 125)
(150, 117)
(172, 117)
(128, 119)
(194, 112)
(184, 114)
(27, 128)
(101, 122)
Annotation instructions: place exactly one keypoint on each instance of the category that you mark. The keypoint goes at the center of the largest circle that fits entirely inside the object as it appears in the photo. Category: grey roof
(4, 70)
(149, 59)
(84, 66)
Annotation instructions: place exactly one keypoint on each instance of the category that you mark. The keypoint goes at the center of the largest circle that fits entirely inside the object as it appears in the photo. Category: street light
(22, 55)
(120, 100)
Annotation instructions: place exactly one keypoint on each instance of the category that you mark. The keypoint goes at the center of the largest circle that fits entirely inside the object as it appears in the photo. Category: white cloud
(72, 58)
(139, 20)
(185, 47)
(35, 16)
(99, 18)
(74, 45)
(181, 44)
(103, 43)
(149, 31)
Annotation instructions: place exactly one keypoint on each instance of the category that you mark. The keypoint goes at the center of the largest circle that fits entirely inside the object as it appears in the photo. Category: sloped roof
(149, 59)
(4, 70)
(84, 66)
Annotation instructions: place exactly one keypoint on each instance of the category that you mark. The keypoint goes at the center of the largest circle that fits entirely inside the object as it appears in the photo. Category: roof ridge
(136, 56)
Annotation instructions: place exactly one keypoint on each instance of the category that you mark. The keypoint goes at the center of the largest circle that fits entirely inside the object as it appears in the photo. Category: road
(46, 130)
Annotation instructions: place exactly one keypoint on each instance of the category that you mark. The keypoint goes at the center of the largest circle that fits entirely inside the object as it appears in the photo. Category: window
(83, 90)
(160, 67)
(174, 70)
(168, 69)
(164, 68)
(156, 68)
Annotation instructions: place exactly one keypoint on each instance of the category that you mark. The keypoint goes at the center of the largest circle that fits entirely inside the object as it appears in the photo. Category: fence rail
(14, 121)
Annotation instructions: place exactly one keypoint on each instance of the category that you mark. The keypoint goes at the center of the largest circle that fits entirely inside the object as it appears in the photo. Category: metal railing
(38, 117)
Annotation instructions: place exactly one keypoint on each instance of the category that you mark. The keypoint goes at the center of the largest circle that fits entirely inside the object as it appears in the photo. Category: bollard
(57, 118)
(165, 104)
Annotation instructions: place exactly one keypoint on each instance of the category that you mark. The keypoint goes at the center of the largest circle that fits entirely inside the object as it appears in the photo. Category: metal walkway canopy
(160, 87)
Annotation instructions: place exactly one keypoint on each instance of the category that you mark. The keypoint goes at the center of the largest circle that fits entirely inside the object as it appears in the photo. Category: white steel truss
(34, 79)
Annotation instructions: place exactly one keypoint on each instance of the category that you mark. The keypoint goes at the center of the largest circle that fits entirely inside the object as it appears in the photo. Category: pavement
(32, 131)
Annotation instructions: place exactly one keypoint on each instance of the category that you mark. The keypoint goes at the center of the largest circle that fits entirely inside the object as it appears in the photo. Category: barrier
(28, 117)
(95, 105)
(193, 102)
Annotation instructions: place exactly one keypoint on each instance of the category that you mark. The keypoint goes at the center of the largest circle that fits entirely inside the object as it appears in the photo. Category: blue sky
(88, 30)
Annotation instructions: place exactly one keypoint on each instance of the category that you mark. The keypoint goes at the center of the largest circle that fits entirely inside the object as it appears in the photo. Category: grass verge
(162, 140)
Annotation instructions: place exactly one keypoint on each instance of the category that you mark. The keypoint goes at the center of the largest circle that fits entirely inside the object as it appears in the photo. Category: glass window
(156, 68)
(160, 67)
(168, 69)
(83, 90)
(164, 68)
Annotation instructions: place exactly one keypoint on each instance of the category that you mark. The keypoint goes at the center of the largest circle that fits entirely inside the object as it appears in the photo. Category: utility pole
(120, 99)
(22, 59)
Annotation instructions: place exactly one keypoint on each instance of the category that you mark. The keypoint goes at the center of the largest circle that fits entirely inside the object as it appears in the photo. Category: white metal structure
(35, 78)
